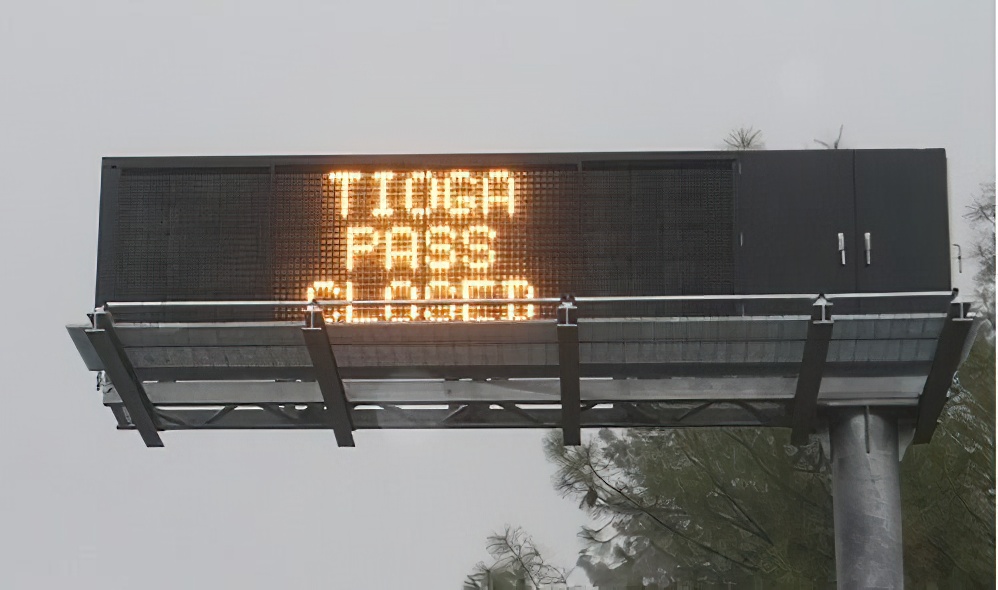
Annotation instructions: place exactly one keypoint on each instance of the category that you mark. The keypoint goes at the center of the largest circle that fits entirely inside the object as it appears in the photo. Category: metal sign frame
(622, 372)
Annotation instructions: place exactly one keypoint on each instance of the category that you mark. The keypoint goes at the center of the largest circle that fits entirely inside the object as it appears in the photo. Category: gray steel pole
(866, 498)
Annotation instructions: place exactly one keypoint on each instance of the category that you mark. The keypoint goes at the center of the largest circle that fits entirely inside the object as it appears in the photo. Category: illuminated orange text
(423, 236)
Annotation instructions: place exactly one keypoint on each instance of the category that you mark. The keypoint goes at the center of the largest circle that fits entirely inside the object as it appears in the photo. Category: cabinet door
(901, 202)
(791, 209)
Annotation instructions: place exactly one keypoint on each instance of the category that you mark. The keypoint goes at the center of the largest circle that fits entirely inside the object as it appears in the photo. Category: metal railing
(112, 305)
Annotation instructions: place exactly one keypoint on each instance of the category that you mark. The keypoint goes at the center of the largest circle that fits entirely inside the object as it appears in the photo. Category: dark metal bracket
(568, 371)
(805, 406)
(122, 374)
(944, 366)
(327, 374)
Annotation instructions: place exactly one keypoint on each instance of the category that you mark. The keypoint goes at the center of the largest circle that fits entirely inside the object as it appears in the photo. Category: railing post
(568, 370)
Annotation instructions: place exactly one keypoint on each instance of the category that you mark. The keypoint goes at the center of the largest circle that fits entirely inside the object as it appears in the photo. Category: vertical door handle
(866, 243)
(842, 248)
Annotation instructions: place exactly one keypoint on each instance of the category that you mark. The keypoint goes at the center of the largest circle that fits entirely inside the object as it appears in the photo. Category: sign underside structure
(524, 291)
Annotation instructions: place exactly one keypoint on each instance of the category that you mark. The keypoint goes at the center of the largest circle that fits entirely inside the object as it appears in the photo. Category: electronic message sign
(503, 229)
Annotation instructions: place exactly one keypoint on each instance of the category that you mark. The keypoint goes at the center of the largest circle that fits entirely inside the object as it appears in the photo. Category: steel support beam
(327, 375)
(866, 498)
(119, 369)
(479, 415)
(935, 392)
(819, 334)
(568, 371)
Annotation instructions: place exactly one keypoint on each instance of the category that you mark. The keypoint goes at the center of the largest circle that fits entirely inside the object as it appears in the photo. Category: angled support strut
(122, 374)
(819, 334)
(948, 348)
(327, 374)
(568, 370)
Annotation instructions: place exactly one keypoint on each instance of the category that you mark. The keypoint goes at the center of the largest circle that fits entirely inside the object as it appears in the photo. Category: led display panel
(417, 231)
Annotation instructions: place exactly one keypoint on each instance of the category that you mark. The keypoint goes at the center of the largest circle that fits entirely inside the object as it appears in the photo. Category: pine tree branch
(673, 530)
(759, 531)
(774, 477)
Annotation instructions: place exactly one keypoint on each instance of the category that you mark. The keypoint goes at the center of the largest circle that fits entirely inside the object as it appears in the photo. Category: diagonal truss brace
(477, 415)
(568, 371)
(948, 348)
(805, 406)
(122, 374)
(327, 374)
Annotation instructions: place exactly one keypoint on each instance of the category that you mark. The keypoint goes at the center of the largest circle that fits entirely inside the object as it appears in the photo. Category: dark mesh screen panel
(657, 232)
(296, 224)
(191, 235)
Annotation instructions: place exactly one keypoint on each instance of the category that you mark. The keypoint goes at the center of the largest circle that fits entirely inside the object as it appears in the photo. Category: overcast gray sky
(84, 506)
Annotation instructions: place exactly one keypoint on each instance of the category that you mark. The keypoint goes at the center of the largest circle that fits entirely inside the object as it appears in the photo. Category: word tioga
(420, 193)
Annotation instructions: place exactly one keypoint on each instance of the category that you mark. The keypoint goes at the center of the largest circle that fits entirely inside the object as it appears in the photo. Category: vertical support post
(327, 374)
(812, 367)
(122, 374)
(568, 369)
(866, 498)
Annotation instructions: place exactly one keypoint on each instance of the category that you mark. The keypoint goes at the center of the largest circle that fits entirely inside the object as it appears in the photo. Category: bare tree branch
(834, 144)
(981, 214)
(744, 138)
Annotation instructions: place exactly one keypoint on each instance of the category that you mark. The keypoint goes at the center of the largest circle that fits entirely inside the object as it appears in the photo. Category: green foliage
(713, 507)
(948, 486)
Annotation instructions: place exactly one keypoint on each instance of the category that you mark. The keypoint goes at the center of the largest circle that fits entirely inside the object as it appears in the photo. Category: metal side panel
(858, 390)
(534, 332)
(210, 334)
(87, 352)
(635, 347)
